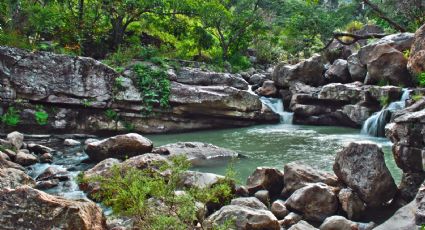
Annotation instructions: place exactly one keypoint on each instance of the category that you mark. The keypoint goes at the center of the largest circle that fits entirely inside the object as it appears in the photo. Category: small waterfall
(276, 105)
(375, 125)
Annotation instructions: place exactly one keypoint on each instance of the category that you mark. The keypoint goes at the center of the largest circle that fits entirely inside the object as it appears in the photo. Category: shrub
(112, 115)
(421, 79)
(353, 26)
(154, 86)
(41, 116)
(149, 197)
(11, 117)
(384, 101)
(417, 96)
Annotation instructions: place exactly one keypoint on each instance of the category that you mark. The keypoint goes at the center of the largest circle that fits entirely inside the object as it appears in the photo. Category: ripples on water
(277, 145)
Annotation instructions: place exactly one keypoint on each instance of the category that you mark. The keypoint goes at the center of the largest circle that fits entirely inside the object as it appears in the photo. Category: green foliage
(129, 127)
(150, 197)
(87, 102)
(41, 116)
(421, 79)
(383, 82)
(11, 117)
(153, 85)
(406, 54)
(353, 26)
(384, 101)
(417, 96)
(112, 115)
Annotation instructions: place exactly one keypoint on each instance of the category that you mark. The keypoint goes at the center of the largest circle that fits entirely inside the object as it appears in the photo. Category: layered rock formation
(76, 92)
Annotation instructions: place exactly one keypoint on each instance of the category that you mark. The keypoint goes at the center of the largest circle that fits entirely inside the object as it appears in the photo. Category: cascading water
(276, 105)
(375, 125)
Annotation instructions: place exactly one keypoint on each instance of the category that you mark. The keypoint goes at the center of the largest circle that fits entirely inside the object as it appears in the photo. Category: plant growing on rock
(154, 87)
(421, 79)
(384, 101)
(41, 116)
(417, 96)
(150, 197)
(11, 117)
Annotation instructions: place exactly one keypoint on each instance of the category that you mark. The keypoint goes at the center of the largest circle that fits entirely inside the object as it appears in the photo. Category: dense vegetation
(155, 198)
(220, 32)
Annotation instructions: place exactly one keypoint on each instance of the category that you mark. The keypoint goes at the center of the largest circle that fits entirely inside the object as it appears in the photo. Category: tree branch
(355, 38)
(382, 15)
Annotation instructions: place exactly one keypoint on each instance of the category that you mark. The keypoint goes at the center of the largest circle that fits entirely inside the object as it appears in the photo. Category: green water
(276, 145)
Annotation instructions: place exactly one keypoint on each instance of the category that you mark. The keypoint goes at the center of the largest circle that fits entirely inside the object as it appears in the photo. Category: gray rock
(35, 210)
(308, 71)
(25, 159)
(337, 223)
(193, 179)
(403, 219)
(356, 69)
(302, 225)
(13, 178)
(199, 153)
(297, 176)
(16, 139)
(290, 219)
(268, 89)
(71, 142)
(263, 196)
(120, 147)
(245, 218)
(417, 55)
(361, 166)
(251, 202)
(193, 76)
(315, 201)
(257, 79)
(279, 209)
(338, 72)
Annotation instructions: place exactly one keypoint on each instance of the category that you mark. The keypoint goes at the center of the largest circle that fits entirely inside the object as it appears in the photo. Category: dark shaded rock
(120, 147)
(409, 186)
(270, 179)
(39, 149)
(351, 203)
(361, 166)
(315, 201)
(356, 69)
(279, 209)
(403, 219)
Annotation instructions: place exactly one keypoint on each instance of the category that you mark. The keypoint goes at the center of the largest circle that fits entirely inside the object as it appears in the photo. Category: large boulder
(356, 69)
(193, 76)
(361, 165)
(297, 176)
(416, 63)
(13, 178)
(315, 201)
(308, 71)
(16, 139)
(27, 208)
(268, 89)
(338, 72)
(119, 147)
(387, 64)
(198, 153)
(245, 218)
(270, 179)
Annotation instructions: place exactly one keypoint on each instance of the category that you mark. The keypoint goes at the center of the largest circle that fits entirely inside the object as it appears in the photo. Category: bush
(417, 96)
(239, 63)
(41, 116)
(11, 117)
(421, 79)
(154, 86)
(150, 198)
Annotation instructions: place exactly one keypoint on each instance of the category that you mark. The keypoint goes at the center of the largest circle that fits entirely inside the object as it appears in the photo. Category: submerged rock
(315, 201)
(361, 166)
(199, 153)
(245, 218)
(28, 208)
(119, 147)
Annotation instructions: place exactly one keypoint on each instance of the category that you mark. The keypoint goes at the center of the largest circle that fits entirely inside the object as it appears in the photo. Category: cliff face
(76, 91)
